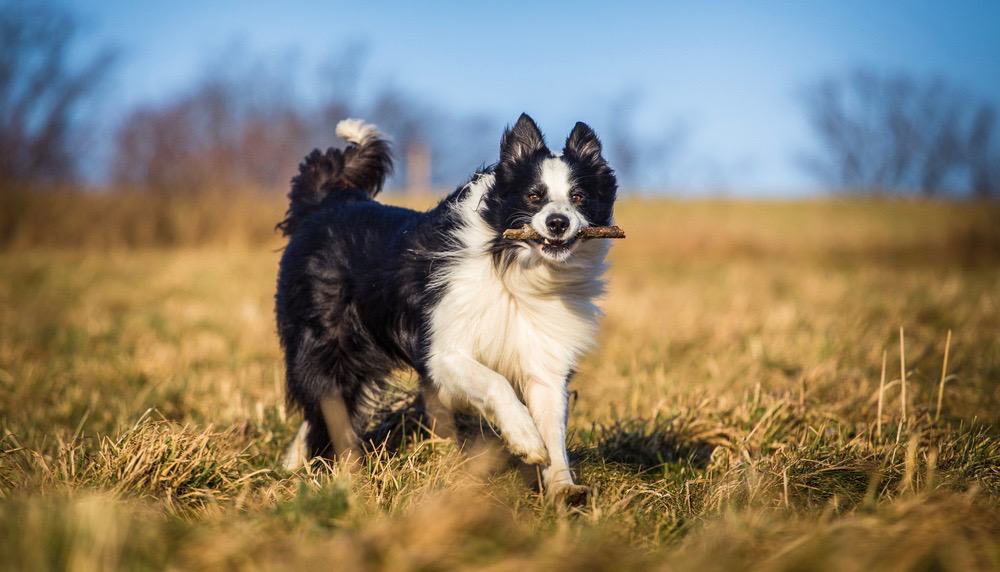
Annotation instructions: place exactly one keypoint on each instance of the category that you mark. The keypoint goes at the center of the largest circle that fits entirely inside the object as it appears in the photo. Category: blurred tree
(45, 89)
(892, 132)
(239, 128)
(650, 156)
(623, 147)
(243, 126)
(455, 142)
(984, 162)
(340, 80)
(411, 124)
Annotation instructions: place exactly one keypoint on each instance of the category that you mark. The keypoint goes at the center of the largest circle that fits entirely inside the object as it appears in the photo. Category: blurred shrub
(74, 219)
(238, 128)
(884, 231)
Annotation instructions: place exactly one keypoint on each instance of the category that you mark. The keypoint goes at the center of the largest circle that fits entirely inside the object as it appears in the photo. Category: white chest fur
(520, 324)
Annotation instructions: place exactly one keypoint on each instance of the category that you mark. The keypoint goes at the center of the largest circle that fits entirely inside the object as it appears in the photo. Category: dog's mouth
(554, 247)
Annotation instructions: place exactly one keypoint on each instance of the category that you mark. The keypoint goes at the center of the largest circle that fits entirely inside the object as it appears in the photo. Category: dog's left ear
(584, 149)
(583, 145)
(521, 141)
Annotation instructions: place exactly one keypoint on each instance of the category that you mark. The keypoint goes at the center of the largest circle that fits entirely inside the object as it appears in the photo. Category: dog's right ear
(521, 142)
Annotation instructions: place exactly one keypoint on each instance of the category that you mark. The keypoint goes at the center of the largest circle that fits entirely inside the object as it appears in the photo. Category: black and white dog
(490, 325)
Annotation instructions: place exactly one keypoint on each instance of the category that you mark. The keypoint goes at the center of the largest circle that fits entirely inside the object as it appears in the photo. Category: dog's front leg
(548, 402)
(461, 380)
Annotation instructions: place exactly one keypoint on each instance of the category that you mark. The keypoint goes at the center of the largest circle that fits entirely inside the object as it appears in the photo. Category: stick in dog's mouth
(528, 233)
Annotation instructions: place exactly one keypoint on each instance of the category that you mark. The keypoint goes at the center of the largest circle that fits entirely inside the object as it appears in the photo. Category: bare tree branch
(43, 94)
(895, 133)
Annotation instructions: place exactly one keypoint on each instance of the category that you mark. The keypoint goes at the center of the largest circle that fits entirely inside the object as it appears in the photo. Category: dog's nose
(557, 223)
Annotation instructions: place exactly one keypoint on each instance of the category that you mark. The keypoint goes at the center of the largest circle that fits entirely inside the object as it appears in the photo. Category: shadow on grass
(641, 444)
(646, 444)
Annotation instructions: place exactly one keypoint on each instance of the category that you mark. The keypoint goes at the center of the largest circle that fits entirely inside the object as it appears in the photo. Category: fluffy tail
(363, 165)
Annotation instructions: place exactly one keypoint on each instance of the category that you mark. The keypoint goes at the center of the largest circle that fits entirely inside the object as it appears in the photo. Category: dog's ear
(521, 141)
(583, 145)
(584, 149)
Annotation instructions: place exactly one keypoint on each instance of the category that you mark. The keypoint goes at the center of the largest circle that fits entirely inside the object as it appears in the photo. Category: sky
(730, 74)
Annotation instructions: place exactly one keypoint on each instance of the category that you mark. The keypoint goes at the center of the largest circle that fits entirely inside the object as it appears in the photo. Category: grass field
(734, 415)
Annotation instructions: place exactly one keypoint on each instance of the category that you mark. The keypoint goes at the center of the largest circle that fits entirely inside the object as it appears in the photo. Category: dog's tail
(363, 165)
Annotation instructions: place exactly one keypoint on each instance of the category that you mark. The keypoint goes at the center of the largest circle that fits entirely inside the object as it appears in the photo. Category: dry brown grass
(100, 220)
(734, 415)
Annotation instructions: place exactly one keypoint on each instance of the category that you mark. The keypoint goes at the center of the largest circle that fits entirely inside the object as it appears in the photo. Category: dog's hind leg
(440, 419)
(340, 428)
(331, 397)
(328, 431)
(297, 453)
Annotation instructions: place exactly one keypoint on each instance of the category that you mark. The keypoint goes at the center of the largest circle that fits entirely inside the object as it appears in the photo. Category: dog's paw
(528, 445)
(530, 454)
(568, 494)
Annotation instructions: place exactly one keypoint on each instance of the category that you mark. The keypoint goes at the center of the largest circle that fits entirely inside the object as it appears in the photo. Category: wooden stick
(528, 233)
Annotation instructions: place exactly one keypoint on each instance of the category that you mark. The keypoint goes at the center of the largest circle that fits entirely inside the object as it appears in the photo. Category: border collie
(491, 326)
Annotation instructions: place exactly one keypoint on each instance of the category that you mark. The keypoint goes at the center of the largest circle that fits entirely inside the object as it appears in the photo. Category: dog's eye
(534, 197)
(577, 198)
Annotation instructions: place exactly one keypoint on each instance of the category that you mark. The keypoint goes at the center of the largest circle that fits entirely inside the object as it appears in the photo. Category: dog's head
(556, 194)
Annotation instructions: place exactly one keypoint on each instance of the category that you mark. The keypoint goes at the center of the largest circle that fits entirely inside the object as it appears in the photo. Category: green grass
(727, 420)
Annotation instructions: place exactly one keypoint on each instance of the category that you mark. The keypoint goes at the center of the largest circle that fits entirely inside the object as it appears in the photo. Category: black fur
(358, 167)
(355, 286)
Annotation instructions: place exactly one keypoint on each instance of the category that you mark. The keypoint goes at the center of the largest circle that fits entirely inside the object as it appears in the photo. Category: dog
(491, 326)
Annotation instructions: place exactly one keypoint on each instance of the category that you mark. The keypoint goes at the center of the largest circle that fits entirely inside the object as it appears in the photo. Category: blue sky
(729, 72)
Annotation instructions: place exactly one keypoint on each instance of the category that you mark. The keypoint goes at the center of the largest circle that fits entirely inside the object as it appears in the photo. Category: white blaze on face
(557, 178)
